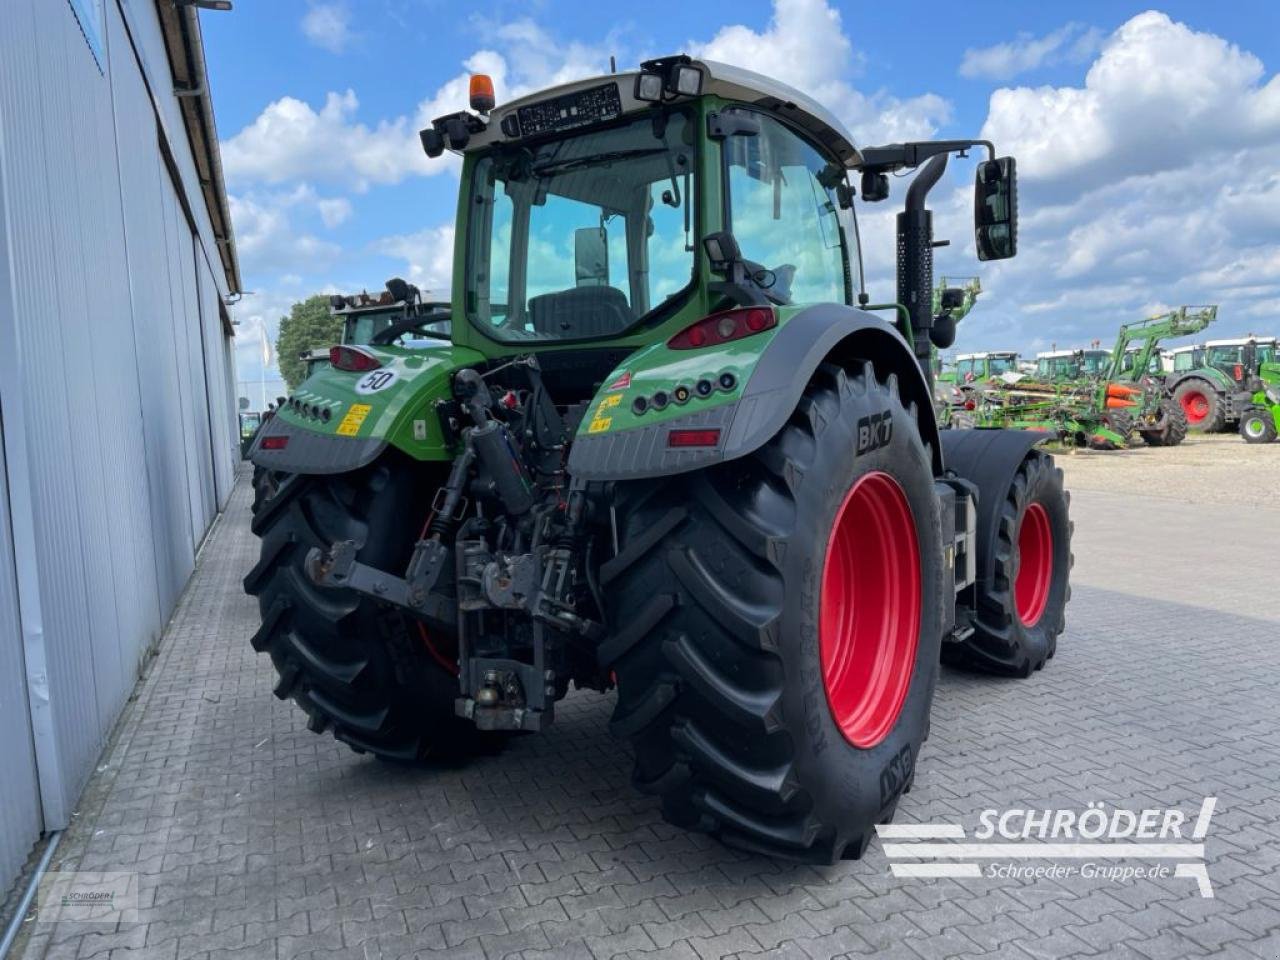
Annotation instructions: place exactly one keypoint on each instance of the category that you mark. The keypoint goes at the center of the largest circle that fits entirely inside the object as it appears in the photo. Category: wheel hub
(1035, 565)
(1195, 405)
(869, 619)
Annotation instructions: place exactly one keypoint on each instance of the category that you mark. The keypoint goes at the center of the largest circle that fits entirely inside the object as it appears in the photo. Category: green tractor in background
(665, 451)
(1159, 417)
(1260, 422)
(1214, 385)
(398, 315)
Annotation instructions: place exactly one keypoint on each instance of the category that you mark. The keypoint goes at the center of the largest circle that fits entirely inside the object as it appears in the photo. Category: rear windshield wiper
(595, 159)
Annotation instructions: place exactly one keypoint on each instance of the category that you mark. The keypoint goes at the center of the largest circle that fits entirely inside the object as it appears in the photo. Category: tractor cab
(1131, 354)
(1184, 359)
(1241, 357)
(985, 365)
(1059, 365)
(1094, 363)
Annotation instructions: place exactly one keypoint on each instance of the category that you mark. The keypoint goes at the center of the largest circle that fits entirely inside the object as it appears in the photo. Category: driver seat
(580, 312)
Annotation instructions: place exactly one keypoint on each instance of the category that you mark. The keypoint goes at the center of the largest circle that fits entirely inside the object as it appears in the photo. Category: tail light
(353, 359)
(1238, 373)
(275, 443)
(723, 327)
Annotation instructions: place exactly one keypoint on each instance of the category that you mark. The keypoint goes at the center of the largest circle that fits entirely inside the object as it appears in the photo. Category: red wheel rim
(1195, 405)
(1035, 565)
(869, 609)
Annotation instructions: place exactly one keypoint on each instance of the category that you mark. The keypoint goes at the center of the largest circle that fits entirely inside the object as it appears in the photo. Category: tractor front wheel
(1022, 609)
(1172, 431)
(776, 625)
(1202, 406)
(1258, 426)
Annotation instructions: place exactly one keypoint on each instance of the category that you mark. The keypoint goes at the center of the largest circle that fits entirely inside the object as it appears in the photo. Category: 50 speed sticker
(377, 380)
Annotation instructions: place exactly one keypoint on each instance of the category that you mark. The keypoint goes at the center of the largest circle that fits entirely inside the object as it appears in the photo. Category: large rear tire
(1202, 405)
(1022, 611)
(356, 667)
(776, 627)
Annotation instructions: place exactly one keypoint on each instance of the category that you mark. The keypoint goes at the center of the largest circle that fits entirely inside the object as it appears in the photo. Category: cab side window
(782, 217)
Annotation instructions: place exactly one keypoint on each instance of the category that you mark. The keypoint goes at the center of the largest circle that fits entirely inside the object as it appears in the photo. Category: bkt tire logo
(1097, 843)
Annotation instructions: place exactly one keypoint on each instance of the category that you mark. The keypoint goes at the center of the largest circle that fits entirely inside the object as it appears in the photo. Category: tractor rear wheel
(1172, 431)
(356, 667)
(1022, 610)
(1203, 407)
(1258, 426)
(776, 626)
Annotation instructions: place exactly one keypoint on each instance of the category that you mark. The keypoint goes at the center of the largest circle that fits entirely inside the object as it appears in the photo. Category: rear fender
(770, 370)
(338, 421)
(989, 459)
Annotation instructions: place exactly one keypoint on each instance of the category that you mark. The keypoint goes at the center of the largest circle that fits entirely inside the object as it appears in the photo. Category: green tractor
(398, 315)
(1159, 418)
(665, 451)
(1260, 422)
(1213, 384)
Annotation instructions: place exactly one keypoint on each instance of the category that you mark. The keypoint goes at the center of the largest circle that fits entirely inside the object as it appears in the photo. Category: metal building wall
(20, 820)
(113, 387)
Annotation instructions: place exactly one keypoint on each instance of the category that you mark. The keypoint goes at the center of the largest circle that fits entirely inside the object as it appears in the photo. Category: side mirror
(591, 257)
(995, 209)
(952, 299)
(875, 186)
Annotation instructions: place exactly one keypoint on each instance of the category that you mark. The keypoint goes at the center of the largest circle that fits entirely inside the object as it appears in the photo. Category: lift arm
(1176, 323)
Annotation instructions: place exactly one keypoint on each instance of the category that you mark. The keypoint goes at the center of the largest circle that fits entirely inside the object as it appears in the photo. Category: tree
(309, 326)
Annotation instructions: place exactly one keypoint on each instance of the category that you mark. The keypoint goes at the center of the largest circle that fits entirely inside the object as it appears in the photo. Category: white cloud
(804, 45)
(328, 26)
(1071, 43)
(267, 237)
(428, 258)
(290, 140)
(334, 211)
(1153, 183)
(1160, 95)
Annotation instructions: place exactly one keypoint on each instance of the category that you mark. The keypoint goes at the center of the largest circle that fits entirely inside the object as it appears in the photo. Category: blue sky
(1146, 138)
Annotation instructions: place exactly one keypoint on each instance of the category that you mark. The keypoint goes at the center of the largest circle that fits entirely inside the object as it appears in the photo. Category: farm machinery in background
(1214, 383)
(1260, 422)
(1095, 398)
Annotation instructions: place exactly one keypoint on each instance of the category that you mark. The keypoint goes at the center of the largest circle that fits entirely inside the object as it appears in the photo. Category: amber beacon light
(482, 98)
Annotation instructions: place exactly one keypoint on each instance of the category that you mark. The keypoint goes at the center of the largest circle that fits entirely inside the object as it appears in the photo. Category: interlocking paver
(254, 838)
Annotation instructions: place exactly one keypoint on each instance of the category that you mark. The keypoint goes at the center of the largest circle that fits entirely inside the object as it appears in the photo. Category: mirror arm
(896, 156)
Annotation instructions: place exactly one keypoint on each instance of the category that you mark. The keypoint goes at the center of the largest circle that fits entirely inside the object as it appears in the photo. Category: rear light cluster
(275, 443)
(724, 327)
(312, 410)
(682, 393)
(353, 359)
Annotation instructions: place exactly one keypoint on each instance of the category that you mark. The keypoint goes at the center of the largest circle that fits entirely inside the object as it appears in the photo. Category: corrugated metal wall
(19, 796)
(113, 382)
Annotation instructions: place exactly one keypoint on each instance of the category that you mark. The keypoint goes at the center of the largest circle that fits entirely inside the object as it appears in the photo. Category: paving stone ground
(253, 837)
